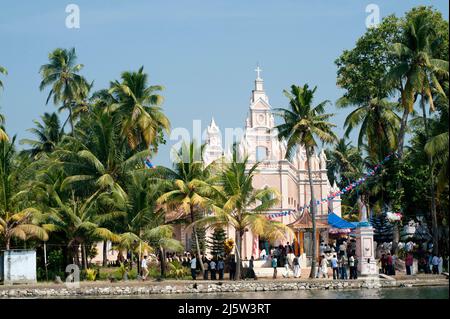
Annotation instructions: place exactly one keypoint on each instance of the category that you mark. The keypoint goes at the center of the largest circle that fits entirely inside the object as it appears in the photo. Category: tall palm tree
(303, 125)
(97, 159)
(161, 237)
(138, 104)
(67, 85)
(17, 218)
(437, 144)
(239, 204)
(48, 135)
(418, 69)
(343, 162)
(379, 125)
(186, 186)
(80, 221)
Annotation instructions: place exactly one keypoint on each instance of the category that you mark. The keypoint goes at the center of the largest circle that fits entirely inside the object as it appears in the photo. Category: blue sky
(203, 52)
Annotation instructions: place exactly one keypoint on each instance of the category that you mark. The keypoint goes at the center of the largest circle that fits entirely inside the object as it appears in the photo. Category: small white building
(18, 267)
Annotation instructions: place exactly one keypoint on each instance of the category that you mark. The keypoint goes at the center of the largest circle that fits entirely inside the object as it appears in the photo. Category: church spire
(258, 92)
(259, 82)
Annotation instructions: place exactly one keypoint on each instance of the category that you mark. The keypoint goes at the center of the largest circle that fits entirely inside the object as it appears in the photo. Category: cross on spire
(258, 71)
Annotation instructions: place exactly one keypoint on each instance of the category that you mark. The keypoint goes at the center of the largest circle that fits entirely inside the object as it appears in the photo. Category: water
(439, 292)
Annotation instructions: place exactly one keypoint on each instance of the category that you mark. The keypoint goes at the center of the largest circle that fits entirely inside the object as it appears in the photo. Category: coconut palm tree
(186, 185)
(48, 135)
(304, 125)
(139, 108)
(437, 144)
(418, 70)
(97, 159)
(239, 204)
(344, 161)
(161, 237)
(80, 221)
(17, 218)
(67, 85)
(378, 125)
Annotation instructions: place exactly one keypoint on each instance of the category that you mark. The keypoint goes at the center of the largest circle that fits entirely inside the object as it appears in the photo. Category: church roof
(305, 222)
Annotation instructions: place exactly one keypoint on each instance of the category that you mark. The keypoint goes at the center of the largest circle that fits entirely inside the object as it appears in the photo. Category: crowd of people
(338, 258)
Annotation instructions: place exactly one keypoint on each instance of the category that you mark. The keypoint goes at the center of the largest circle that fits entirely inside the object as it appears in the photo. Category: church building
(260, 143)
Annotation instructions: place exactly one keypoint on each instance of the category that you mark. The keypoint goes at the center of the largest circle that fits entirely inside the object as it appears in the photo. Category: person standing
(435, 264)
(440, 265)
(394, 261)
(355, 267)
(343, 262)
(232, 266)
(334, 266)
(206, 267)
(323, 267)
(212, 268)
(144, 267)
(389, 264)
(251, 265)
(409, 260)
(351, 265)
(274, 266)
(263, 254)
(221, 267)
(383, 264)
(296, 263)
(194, 268)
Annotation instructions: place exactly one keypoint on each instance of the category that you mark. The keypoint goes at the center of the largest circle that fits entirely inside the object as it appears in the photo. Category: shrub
(91, 274)
(177, 270)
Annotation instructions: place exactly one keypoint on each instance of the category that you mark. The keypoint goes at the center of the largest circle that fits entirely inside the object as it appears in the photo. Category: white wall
(18, 266)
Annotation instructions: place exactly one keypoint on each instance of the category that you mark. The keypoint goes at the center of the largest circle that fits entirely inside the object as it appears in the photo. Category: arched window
(261, 153)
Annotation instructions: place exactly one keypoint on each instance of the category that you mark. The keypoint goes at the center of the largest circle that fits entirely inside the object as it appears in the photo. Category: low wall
(104, 289)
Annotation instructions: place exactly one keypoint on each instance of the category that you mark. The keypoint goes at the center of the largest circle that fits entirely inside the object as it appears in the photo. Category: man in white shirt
(263, 254)
(194, 268)
(212, 268)
(144, 267)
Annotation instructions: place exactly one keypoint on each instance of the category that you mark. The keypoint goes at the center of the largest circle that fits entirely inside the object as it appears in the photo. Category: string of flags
(348, 188)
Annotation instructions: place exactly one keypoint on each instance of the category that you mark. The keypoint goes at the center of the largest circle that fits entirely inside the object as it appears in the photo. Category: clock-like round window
(261, 119)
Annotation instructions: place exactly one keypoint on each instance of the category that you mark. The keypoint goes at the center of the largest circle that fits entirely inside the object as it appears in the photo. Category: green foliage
(177, 270)
(91, 274)
(216, 242)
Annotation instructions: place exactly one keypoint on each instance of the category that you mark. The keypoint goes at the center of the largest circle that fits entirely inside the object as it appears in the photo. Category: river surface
(438, 292)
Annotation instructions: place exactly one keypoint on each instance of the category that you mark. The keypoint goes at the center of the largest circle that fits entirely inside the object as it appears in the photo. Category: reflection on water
(386, 293)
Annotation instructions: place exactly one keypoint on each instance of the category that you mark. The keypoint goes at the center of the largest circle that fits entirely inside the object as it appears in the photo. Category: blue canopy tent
(339, 225)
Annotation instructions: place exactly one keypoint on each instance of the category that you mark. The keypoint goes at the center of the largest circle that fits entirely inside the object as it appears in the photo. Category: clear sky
(203, 52)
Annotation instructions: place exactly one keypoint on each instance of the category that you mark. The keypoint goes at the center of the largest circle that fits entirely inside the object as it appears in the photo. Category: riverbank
(136, 288)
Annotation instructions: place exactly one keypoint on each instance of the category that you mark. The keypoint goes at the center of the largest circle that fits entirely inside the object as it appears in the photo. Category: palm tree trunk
(8, 242)
(105, 256)
(432, 183)
(71, 121)
(163, 262)
(194, 231)
(84, 256)
(238, 238)
(77, 254)
(312, 274)
(401, 142)
(395, 238)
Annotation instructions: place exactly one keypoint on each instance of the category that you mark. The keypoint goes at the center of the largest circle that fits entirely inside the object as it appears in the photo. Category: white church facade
(260, 143)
